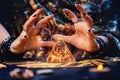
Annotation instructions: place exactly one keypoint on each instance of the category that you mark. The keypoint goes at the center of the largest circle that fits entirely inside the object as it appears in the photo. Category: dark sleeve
(6, 54)
(113, 47)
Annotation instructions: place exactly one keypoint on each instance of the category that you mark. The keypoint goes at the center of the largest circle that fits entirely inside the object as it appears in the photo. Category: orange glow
(38, 37)
(60, 53)
(100, 67)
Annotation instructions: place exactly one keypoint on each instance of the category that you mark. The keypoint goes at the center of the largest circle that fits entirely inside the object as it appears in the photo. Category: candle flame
(100, 67)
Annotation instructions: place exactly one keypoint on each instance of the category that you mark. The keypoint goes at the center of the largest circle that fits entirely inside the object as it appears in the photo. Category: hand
(83, 38)
(27, 39)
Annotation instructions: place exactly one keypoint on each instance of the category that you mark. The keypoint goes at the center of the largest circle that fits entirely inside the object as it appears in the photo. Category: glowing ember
(100, 67)
(60, 53)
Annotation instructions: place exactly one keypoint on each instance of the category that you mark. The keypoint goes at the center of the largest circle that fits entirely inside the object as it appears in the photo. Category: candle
(114, 62)
(99, 72)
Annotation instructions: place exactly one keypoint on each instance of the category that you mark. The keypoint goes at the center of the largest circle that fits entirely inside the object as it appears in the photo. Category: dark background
(7, 14)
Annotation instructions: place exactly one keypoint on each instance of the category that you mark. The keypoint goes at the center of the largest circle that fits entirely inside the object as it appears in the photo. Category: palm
(27, 39)
(82, 38)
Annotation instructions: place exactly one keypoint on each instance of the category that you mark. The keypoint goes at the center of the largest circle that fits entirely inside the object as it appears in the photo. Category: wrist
(14, 47)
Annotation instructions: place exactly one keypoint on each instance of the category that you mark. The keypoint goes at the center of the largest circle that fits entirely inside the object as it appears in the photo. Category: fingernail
(34, 15)
(25, 36)
(84, 14)
(89, 30)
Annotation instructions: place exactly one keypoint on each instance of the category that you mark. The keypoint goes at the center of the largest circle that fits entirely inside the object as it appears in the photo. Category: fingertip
(41, 9)
(52, 15)
(65, 9)
(80, 8)
(76, 4)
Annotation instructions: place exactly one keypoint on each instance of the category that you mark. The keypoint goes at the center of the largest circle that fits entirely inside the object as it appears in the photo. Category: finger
(88, 20)
(81, 9)
(43, 21)
(45, 44)
(37, 12)
(72, 16)
(29, 23)
(62, 37)
(84, 16)
(32, 19)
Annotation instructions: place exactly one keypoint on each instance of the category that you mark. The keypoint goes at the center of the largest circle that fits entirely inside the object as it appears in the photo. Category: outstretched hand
(27, 39)
(83, 38)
